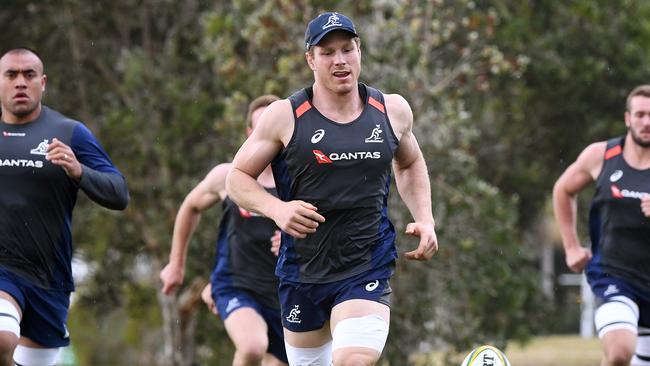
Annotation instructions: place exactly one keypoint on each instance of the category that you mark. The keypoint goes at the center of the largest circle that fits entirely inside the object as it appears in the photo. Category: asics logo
(372, 285)
(318, 135)
(616, 176)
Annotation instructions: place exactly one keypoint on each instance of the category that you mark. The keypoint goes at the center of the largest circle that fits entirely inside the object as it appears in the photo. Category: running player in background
(618, 264)
(332, 145)
(45, 158)
(243, 288)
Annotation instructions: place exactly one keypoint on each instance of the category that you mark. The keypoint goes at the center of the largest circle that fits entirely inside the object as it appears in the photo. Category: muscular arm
(205, 195)
(273, 131)
(575, 178)
(412, 179)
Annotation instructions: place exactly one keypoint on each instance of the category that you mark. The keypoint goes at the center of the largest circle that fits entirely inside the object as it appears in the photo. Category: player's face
(637, 120)
(336, 62)
(22, 83)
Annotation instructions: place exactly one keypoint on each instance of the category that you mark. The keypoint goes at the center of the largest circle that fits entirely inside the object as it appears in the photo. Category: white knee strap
(642, 353)
(9, 318)
(368, 331)
(618, 312)
(27, 356)
(318, 356)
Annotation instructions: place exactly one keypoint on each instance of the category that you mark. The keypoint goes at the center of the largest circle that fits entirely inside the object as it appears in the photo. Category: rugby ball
(486, 356)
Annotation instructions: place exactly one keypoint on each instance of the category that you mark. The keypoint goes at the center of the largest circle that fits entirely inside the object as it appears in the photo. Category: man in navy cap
(331, 146)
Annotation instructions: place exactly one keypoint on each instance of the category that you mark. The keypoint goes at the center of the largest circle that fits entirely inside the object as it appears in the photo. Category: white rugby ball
(486, 356)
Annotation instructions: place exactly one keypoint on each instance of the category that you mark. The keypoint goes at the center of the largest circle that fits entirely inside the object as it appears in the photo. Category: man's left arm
(86, 162)
(412, 179)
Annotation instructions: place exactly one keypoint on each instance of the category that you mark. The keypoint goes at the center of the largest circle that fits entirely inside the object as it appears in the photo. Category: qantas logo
(13, 134)
(323, 158)
(624, 193)
(24, 163)
(247, 214)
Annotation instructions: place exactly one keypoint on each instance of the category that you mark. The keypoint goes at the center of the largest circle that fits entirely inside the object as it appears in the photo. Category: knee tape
(9, 318)
(642, 353)
(27, 356)
(318, 356)
(368, 331)
(618, 312)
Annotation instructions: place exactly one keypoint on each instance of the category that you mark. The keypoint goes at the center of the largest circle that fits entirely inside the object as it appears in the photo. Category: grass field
(556, 350)
(542, 351)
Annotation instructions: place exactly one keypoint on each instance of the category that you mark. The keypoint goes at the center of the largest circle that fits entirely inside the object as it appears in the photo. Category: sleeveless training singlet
(619, 231)
(344, 170)
(37, 197)
(244, 257)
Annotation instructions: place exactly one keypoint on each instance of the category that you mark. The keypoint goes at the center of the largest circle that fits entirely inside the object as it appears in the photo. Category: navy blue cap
(325, 23)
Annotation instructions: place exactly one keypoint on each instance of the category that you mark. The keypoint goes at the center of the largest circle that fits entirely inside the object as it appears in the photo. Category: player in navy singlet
(618, 263)
(332, 146)
(243, 289)
(45, 159)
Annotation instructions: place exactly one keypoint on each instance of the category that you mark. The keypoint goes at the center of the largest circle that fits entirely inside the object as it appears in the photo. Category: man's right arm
(205, 195)
(575, 178)
(273, 132)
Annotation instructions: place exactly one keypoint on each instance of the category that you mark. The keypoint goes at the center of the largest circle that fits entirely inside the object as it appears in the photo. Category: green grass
(556, 350)
(562, 350)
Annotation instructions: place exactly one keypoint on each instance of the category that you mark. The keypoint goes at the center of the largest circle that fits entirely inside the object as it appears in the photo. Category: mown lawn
(555, 351)
(565, 350)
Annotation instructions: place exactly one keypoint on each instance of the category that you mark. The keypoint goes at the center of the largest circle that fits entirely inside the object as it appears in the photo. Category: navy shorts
(44, 311)
(307, 306)
(606, 287)
(232, 299)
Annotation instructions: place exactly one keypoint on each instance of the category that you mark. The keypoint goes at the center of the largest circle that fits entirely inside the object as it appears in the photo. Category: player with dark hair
(618, 264)
(45, 158)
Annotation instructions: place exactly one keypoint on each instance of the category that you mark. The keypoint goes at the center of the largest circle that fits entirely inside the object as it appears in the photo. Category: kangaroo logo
(611, 289)
(232, 304)
(41, 149)
(375, 135)
(293, 315)
(333, 21)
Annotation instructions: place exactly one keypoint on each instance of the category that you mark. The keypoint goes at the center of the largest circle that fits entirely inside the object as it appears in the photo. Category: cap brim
(320, 37)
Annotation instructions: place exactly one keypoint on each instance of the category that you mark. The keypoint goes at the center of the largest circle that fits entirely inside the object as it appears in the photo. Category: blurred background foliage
(505, 94)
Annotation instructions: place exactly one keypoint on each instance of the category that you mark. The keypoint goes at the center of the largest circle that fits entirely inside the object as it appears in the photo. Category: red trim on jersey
(304, 107)
(616, 150)
(377, 104)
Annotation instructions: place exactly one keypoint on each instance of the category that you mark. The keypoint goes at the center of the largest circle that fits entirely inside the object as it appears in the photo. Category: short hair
(261, 101)
(20, 50)
(641, 90)
(23, 50)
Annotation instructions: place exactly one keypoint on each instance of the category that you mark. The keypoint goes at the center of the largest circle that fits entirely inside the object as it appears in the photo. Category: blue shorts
(232, 299)
(307, 306)
(44, 311)
(605, 287)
